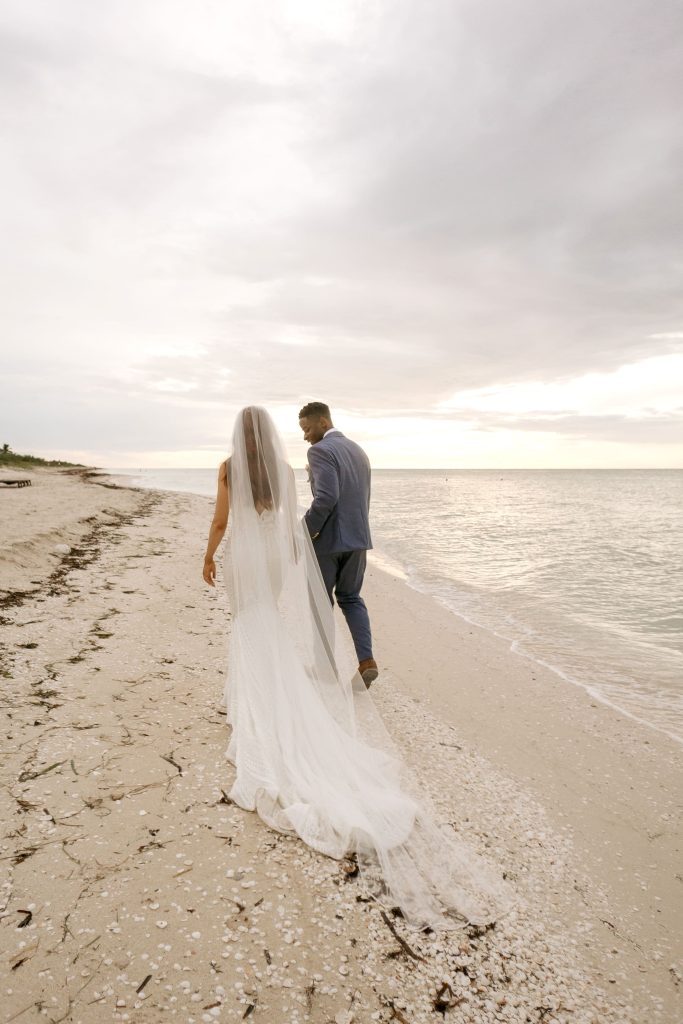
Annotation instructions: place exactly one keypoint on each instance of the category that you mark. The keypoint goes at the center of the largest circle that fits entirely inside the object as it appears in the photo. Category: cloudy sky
(459, 222)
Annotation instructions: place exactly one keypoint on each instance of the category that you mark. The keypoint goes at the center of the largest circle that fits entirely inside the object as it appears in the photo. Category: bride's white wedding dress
(311, 753)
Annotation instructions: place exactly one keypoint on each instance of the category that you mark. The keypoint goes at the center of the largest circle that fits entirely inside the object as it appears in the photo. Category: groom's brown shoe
(368, 671)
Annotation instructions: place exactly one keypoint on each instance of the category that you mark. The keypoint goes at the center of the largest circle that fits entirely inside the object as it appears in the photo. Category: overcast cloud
(418, 212)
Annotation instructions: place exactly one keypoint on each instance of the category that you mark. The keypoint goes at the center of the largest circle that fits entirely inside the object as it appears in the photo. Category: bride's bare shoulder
(223, 470)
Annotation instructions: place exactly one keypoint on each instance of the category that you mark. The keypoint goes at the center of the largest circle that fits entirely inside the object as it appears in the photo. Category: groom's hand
(209, 572)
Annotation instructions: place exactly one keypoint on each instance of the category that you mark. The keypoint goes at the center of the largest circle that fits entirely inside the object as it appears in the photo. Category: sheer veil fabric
(310, 749)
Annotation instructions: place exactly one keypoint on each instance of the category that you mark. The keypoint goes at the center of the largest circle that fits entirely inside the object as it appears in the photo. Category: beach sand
(130, 889)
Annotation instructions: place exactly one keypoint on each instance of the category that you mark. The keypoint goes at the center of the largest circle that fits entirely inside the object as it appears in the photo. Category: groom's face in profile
(314, 428)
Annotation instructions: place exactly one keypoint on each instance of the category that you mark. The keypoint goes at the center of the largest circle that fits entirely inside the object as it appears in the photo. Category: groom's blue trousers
(343, 573)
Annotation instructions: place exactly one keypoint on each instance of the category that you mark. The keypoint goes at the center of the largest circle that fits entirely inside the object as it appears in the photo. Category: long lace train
(314, 763)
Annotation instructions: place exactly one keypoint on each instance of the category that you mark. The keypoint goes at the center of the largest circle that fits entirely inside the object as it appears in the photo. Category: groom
(339, 473)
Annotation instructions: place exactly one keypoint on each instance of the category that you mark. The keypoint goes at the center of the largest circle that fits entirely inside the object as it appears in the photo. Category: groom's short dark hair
(316, 409)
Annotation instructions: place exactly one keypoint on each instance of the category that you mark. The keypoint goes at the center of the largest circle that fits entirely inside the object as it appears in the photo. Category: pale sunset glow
(460, 230)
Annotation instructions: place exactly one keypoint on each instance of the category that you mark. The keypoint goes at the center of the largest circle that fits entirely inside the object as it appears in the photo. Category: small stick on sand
(404, 945)
(396, 1014)
(169, 758)
(26, 776)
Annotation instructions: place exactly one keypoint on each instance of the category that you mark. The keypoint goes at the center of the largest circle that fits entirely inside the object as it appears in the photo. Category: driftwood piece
(27, 776)
(169, 758)
(402, 942)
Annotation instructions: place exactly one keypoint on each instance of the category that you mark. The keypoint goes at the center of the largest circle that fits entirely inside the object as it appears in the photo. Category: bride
(311, 752)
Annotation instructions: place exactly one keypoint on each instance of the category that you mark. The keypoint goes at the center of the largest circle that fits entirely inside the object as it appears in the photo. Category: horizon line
(438, 469)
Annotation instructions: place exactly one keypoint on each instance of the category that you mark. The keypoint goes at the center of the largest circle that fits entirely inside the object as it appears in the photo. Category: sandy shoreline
(609, 782)
(122, 867)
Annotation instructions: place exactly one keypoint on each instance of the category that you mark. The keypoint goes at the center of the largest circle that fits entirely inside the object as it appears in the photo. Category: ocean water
(580, 570)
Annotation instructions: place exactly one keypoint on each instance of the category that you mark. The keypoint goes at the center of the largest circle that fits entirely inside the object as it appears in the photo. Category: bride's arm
(219, 525)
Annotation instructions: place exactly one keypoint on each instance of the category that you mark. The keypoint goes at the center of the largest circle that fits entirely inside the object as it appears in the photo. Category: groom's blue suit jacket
(340, 482)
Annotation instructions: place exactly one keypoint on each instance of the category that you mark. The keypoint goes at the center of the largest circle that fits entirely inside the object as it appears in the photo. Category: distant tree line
(10, 458)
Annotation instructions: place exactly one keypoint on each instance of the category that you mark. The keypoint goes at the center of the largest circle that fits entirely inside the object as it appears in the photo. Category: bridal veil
(310, 749)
